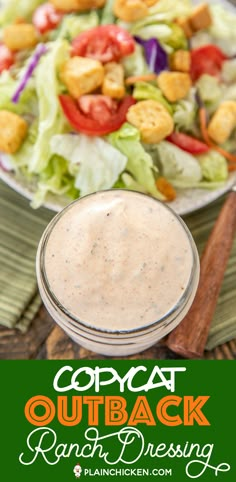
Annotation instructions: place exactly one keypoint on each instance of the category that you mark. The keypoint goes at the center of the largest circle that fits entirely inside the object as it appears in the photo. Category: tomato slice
(98, 106)
(95, 124)
(46, 18)
(6, 58)
(104, 43)
(207, 60)
(188, 143)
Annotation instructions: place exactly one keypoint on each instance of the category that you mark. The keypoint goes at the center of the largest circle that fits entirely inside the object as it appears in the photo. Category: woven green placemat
(20, 231)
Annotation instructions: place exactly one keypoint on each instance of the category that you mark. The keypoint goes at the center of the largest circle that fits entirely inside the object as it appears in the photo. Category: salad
(135, 94)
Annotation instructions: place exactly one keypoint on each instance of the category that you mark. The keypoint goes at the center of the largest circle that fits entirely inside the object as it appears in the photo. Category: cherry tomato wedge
(6, 58)
(188, 143)
(94, 125)
(46, 18)
(105, 43)
(98, 106)
(206, 60)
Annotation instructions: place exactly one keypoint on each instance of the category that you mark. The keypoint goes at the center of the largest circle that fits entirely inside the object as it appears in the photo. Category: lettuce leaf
(209, 90)
(214, 166)
(229, 71)
(167, 10)
(131, 184)
(27, 102)
(21, 158)
(223, 27)
(179, 184)
(72, 25)
(51, 120)
(177, 164)
(54, 179)
(140, 164)
(12, 9)
(107, 16)
(229, 92)
(135, 64)
(159, 24)
(145, 90)
(185, 112)
(99, 164)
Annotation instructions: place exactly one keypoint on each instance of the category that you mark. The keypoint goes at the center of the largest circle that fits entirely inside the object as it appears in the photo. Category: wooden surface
(45, 340)
(190, 337)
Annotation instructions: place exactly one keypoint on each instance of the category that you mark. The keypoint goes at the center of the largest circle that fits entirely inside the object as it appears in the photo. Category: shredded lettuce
(107, 16)
(147, 30)
(179, 184)
(12, 9)
(167, 10)
(54, 179)
(21, 158)
(135, 64)
(223, 27)
(214, 166)
(170, 36)
(177, 39)
(178, 165)
(131, 184)
(185, 113)
(99, 163)
(73, 25)
(210, 90)
(229, 92)
(158, 24)
(208, 171)
(51, 119)
(145, 90)
(140, 164)
(230, 144)
(201, 38)
(27, 102)
(229, 71)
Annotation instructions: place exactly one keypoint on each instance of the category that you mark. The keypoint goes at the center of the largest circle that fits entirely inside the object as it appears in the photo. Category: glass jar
(147, 233)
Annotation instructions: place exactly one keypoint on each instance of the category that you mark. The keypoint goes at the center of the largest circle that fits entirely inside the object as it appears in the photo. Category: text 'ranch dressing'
(118, 260)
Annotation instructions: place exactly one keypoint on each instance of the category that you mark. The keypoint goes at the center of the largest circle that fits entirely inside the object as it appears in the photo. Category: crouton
(181, 61)
(20, 36)
(82, 75)
(152, 120)
(13, 130)
(174, 85)
(130, 10)
(113, 83)
(184, 23)
(77, 5)
(223, 122)
(200, 18)
(150, 3)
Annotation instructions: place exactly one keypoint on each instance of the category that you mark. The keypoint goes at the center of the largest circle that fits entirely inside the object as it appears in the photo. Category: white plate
(188, 200)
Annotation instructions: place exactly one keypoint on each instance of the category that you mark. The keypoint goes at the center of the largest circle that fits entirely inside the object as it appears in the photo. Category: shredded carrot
(166, 188)
(203, 125)
(140, 78)
(230, 157)
(232, 167)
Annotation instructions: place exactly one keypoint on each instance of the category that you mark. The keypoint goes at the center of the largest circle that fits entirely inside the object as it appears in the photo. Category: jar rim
(41, 272)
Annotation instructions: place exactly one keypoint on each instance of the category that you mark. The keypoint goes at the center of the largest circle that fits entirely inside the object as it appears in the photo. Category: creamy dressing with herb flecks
(118, 260)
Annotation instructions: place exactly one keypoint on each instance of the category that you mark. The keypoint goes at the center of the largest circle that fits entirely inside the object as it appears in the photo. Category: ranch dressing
(118, 260)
